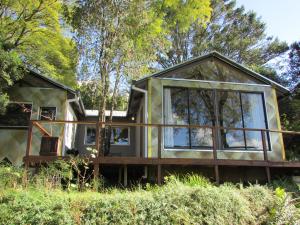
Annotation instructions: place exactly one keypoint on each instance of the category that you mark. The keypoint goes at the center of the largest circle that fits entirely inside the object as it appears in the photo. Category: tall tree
(118, 39)
(293, 72)
(33, 30)
(10, 71)
(232, 31)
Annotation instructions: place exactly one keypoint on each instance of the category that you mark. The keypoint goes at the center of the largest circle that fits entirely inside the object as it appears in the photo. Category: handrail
(162, 125)
(214, 160)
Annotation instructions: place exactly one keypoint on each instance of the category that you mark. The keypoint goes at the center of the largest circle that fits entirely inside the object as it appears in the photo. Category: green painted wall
(13, 141)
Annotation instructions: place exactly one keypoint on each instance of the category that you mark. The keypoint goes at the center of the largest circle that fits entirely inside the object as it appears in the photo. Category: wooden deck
(159, 161)
(108, 160)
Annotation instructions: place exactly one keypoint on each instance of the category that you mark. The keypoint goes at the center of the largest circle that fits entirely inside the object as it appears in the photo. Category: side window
(16, 115)
(119, 136)
(47, 113)
(90, 135)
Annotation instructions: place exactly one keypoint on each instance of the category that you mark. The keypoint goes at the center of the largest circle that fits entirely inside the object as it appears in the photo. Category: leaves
(32, 29)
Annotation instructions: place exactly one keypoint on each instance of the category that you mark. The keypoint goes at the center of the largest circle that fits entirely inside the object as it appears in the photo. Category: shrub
(189, 199)
(34, 207)
(10, 177)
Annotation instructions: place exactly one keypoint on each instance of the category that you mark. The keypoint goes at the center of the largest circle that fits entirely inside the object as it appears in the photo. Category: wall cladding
(13, 141)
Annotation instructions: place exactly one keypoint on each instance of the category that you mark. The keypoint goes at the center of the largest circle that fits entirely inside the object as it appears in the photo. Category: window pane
(47, 113)
(230, 116)
(90, 138)
(119, 136)
(176, 112)
(201, 113)
(254, 117)
(17, 115)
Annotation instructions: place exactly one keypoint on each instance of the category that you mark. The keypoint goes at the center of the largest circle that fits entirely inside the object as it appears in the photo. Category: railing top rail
(132, 124)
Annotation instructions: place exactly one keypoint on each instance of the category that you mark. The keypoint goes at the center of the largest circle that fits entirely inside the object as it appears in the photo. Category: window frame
(30, 117)
(85, 134)
(218, 142)
(94, 127)
(41, 109)
(128, 137)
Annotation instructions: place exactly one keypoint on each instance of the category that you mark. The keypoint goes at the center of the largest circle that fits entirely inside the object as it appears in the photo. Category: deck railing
(159, 160)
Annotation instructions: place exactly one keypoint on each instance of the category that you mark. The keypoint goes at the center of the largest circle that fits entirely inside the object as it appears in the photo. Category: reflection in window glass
(16, 115)
(197, 107)
(176, 112)
(230, 115)
(47, 113)
(119, 136)
(90, 136)
(253, 113)
(201, 111)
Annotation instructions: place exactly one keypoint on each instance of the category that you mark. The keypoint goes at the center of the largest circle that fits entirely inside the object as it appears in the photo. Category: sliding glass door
(228, 109)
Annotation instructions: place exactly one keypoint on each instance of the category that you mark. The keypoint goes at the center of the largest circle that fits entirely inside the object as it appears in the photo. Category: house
(207, 106)
(37, 97)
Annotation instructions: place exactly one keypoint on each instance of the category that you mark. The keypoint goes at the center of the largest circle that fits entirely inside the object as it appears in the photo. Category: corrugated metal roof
(115, 113)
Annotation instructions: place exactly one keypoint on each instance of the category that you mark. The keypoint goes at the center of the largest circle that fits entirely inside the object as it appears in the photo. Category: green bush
(10, 177)
(174, 203)
(189, 199)
(34, 207)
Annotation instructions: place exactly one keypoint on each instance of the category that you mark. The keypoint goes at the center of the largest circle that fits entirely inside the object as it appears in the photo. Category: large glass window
(16, 115)
(201, 112)
(228, 109)
(183, 107)
(176, 112)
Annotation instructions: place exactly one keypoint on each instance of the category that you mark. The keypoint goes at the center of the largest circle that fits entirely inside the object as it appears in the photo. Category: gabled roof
(72, 92)
(51, 81)
(223, 58)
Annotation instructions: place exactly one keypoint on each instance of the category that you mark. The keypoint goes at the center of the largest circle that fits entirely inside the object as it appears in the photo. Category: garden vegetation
(55, 195)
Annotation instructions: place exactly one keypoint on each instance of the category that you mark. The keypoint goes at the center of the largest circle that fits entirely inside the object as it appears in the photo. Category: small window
(16, 115)
(119, 136)
(47, 113)
(90, 135)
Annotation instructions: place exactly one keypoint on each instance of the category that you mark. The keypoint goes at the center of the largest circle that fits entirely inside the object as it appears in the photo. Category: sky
(282, 17)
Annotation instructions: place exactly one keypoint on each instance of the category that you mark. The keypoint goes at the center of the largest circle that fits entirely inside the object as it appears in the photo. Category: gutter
(145, 92)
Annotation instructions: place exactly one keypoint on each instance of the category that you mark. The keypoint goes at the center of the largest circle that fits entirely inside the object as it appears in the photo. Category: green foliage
(52, 175)
(34, 207)
(90, 96)
(174, 203)
(290, 118)
(190, 199)
(232, 31)
(10, 72)
(11, 177)
(188, 179)
(293, 73)
(287, 184)
(32, 30)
